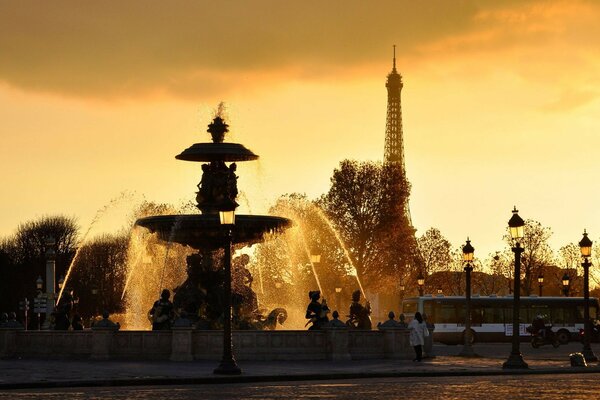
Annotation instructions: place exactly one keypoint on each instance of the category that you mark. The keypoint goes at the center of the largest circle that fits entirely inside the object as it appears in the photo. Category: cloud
(189, 48)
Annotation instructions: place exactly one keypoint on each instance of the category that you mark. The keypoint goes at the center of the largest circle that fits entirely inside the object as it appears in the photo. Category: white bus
(491, 316)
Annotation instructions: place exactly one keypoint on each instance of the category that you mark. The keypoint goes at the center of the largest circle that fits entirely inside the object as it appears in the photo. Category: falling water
(312, 264)
(99, 214)
(174, 230)
(336, 234)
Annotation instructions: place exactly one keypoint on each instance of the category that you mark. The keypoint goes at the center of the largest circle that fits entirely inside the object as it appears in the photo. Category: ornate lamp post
(566, 281)
(541, 281)
(516, 227)
(39, 285)
(421, 283)
(228, 365)
(50, 243)
(468, 253)
(585, 245)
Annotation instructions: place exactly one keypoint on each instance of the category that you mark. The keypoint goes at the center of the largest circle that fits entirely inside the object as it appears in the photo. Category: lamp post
(440, 292)
(541, 281)
(95, 300)
(228, 365)
(468, 253)
(516, 227)
(338, 298)
(39, 285)
(566, 281)
(50, 242)
(421, 283)
(585, 245)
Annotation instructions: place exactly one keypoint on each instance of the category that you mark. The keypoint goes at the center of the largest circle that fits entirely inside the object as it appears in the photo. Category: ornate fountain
(201, 294)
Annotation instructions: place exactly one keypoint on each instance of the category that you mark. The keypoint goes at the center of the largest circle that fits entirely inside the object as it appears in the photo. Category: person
(417, 335)
(539, 326)
(316, 313)
(335, 322)
(162, 312)
(402, 323)
(77, 323)
(105, 322)
(390, 323)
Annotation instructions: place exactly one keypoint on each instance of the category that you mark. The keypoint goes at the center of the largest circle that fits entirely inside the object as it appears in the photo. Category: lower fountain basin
(204, 231)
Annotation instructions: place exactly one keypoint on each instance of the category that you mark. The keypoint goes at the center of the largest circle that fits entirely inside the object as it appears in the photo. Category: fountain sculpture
(200, 296)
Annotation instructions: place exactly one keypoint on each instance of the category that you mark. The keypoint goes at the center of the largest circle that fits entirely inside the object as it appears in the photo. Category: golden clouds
(112, 49)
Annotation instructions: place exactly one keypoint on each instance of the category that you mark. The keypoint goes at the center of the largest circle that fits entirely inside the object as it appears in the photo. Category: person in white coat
(418, 331)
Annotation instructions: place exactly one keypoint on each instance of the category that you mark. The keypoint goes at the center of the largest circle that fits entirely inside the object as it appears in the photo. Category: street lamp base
(467, 351)
(515, 361)
(589, 355)
(228, 367)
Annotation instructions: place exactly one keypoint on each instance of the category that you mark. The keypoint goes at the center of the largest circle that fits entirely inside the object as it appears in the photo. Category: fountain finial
(217, 129)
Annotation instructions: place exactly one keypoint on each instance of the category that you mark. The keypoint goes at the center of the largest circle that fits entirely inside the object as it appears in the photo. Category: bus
(491, 316)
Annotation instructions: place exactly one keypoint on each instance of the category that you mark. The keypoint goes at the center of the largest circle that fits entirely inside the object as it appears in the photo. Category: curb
(283, 378)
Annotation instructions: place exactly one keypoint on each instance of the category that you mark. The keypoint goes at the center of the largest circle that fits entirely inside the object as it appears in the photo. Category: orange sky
(500, 104)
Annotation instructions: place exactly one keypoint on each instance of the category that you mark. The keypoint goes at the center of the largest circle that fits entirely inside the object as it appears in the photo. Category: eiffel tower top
(394, 143)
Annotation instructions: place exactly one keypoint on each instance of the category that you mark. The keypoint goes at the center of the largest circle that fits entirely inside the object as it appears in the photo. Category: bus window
(409, 307)
(476, 315)
(446, 313)
(593, 312)
(539, 309)
(428, 310)
(492, 315)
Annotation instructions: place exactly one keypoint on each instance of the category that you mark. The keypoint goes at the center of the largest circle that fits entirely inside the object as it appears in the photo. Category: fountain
(200, 295)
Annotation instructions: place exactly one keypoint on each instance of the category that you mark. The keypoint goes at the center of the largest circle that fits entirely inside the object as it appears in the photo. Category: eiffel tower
(394, 141)
(394, 148)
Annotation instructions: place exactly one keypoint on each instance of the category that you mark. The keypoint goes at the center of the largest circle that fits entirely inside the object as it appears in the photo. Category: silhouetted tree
(22, 256)
(102, 267)
(365, 203)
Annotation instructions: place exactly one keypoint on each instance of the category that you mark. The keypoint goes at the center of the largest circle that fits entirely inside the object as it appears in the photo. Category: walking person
(418, 331)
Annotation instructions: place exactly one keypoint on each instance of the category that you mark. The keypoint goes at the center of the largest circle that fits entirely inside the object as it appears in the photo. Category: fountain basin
(204, 231)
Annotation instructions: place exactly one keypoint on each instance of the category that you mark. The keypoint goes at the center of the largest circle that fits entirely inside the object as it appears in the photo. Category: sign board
(508, 330)
(39, 305)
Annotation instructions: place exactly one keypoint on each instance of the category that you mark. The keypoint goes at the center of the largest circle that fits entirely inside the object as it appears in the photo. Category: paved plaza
(48, 374)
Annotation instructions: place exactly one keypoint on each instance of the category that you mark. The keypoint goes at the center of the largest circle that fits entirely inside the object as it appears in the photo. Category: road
(572, 387)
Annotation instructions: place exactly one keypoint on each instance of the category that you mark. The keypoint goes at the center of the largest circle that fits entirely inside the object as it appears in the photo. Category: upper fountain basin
(204, 231)
(229, 152)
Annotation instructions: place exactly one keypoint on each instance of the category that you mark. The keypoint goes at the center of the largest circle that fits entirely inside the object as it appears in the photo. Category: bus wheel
(470, 334)
(563, 336)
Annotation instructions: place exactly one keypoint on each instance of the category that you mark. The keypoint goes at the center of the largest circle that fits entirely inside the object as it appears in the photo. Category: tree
(102, 267)
(536, 253)
(365, 203)
(22, 256)
(435, 251)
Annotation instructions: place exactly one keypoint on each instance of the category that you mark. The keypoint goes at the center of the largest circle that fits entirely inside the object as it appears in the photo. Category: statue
(162, 313)
(359, 315)
(316, 312)
(62, 311)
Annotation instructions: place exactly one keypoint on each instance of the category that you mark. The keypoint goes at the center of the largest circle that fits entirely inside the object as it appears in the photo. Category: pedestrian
(418, 331)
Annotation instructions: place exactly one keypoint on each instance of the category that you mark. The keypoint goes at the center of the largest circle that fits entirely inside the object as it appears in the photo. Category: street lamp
(277, 285)
(468, 253)
(440, 291)
(338, 297)
(315, 258)
(541, 281)
(421, 283)
(39, 283)
(585, 245)
(228, 365)
(516, 228)
(566, 282)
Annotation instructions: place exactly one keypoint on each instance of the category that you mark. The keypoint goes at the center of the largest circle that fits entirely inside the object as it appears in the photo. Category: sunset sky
(500, 104)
